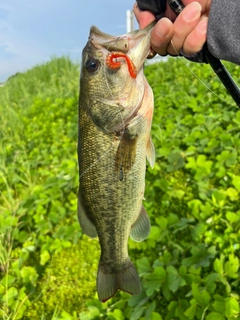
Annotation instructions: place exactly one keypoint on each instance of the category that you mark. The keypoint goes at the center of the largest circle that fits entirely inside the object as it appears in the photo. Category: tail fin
(108, 283)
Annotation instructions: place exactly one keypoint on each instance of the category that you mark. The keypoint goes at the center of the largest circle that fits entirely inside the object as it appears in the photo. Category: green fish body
(115, 115)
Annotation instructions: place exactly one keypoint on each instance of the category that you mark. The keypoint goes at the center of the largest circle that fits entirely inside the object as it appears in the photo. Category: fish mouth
(135, 44)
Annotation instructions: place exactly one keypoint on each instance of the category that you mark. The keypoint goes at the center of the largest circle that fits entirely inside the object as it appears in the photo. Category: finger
(183, 26)
(205, 4)
(196, 39)
(144, 18)
(161, 35)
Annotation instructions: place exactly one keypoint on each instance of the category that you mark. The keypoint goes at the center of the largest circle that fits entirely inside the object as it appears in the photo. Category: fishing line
(194, 74)
(96, 161)
(120, 114)
(123, 126)
(219, 69)
(158, 7)
(177, 7)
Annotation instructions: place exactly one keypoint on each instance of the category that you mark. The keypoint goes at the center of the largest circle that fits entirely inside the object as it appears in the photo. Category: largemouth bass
(115, 116)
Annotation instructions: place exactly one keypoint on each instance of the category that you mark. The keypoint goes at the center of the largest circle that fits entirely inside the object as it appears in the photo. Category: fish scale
(107, 190)
(114, 137)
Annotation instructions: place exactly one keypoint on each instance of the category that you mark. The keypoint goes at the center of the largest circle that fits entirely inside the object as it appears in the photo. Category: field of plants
(189, 265)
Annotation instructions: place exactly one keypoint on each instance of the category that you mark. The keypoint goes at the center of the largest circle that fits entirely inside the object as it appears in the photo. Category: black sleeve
(223, 34)
(157, 7)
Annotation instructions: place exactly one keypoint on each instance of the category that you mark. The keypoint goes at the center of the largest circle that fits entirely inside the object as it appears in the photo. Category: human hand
(171, 34)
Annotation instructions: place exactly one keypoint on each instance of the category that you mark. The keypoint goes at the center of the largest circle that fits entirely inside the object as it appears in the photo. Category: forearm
(217, 22)
(223, 33)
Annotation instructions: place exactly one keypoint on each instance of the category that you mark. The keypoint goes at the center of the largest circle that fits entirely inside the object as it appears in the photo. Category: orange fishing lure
(112, 63)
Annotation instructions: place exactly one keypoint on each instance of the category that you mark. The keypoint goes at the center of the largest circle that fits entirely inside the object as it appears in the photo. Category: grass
(19, 174)
(45, 271)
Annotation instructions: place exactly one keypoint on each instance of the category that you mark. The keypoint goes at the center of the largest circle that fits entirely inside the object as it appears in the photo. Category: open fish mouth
(135, 44)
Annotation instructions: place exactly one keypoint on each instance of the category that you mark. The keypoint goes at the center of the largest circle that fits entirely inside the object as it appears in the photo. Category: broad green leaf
(8, 280)
(231, 267)
(191, 311)
(66, 316)
(138, 300)
(44, 257)
(182, 306)
(232, 194)
(232, 217)
(200, 256)
(236, 182)
(156, 316)
(116, 314)
(219, 198)
(198, 230)
(162, 184)
(218, 264)
(191, 163)
(215, 316)
(178, 194)
(219, 306)
(93, 312)
(162, 222)
(137, 313)
(144, 266)
(172, 219)
(194, 205)
(149, 310)
(10, 294)
(174, 279)
(154, 281)
(172, 306)
(155, 233)
(232, 307)
(211, 282)
(226, 158)
(175, 160)
(29, 274)
(201, 297)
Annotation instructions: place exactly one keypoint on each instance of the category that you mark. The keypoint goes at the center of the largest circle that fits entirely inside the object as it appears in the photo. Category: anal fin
(141, 228)
(87, 226)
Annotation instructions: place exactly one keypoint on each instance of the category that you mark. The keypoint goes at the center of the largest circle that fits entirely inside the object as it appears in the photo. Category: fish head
(112, 80)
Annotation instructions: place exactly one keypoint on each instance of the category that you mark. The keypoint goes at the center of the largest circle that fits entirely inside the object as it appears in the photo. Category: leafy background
(189, 265)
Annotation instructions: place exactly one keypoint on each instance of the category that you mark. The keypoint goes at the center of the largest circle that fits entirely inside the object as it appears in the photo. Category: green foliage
(69, 280)
(189, 265)
(38, 180)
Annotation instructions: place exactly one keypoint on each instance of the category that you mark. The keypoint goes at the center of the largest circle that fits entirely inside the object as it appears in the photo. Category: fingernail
(162, 32)
(192, 12)
(201, 28)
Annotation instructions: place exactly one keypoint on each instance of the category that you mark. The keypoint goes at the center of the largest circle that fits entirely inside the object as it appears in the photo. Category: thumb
(144, 18)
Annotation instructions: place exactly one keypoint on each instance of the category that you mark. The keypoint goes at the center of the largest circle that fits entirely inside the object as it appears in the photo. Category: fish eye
(92, 65)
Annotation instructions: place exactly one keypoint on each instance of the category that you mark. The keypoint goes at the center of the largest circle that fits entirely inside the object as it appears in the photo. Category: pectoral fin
(126, 154)
(151, 152)
(87, 226)
(141, 228)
